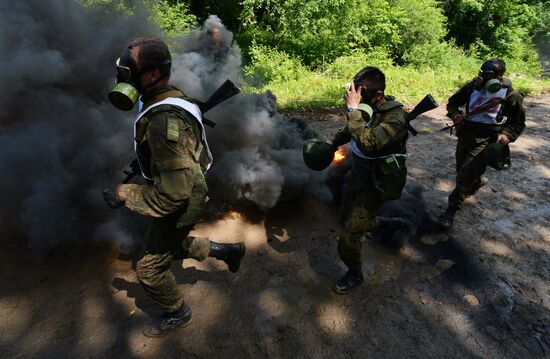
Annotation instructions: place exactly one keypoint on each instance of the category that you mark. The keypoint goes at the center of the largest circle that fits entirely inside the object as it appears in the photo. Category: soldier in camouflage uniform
(494, 112)
(173, 154)
(378, 143)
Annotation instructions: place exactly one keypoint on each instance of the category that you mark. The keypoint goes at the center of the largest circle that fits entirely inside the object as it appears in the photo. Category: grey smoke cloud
(61, 140)
(257, 152)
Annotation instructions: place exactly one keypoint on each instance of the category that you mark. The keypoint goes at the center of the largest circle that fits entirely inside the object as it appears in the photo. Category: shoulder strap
(509, 92)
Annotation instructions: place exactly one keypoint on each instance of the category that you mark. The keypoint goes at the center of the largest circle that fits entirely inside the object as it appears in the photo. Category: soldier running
(172, 153)
(493, 116)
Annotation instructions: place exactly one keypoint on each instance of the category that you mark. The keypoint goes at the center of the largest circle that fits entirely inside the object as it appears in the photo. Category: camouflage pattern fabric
(171, 153)
(360, 205)
(370, 181)
(165, 242)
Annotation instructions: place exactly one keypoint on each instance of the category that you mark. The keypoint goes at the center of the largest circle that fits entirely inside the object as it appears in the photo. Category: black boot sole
(149, 335)
(346, 291)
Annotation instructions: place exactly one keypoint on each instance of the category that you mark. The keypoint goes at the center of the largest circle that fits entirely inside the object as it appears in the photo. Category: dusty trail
(482, 291)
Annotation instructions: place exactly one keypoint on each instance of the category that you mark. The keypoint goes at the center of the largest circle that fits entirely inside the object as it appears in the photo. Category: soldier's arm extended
(171, 142)
(341, 137)
(375, 139)
(515, 114)
(459, 99)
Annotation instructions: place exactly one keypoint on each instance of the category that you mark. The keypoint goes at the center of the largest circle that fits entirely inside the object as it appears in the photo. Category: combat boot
(446, 219)
(169, 321)
(350, 280)
(229, 253)
(389, 227)
(483, 181)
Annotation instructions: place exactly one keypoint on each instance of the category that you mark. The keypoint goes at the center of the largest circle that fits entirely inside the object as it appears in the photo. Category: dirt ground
(482, 291)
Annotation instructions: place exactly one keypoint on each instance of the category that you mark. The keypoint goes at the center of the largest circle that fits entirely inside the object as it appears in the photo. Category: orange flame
(339, 156)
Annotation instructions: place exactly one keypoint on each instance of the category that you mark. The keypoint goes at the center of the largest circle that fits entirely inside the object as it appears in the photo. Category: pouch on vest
(390, 175)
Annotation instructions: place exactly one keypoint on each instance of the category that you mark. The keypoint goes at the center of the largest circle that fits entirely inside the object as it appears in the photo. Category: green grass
(408, 84)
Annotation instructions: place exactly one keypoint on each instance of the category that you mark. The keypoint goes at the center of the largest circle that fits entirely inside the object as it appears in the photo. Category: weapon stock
(428, 103)
(225, 91)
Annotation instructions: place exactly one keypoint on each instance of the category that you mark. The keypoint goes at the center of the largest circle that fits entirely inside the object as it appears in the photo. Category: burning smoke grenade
(61, 141)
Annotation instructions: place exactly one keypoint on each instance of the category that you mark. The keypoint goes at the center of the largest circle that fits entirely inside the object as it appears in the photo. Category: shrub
(348, 65)
(270, 65)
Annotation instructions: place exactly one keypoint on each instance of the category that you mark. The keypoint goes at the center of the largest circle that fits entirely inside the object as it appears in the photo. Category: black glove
(110, 196)
(134, 166)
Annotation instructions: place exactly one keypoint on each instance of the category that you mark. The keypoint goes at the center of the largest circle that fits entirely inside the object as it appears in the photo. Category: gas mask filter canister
(124, 96)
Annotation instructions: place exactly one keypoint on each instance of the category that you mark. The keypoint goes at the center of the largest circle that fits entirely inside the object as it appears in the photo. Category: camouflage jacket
(170, 151)
(513, 110)
(385, 135)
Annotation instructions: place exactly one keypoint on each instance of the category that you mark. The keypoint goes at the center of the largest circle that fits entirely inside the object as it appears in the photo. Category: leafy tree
(318, 31)
(497, 27)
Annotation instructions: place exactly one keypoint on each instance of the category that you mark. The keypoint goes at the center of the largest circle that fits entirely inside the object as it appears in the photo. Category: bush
(272, 66)
(173, 18)
(440, 55)
(424, 24)
(347, 66)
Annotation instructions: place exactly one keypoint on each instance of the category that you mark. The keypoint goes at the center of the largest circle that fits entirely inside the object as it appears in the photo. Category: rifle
(225, 91)
(428, 103)
(489, 105)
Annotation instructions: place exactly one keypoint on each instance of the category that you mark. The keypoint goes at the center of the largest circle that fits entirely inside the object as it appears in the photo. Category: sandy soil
(482, 291)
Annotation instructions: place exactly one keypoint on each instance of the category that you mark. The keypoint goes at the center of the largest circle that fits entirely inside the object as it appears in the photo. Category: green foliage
(319, 31)
(424, 26)
(228, 10)
(348, 65)
(306, 50)
(270, 65)
(441, 56)
(495, 27)
(173, 19)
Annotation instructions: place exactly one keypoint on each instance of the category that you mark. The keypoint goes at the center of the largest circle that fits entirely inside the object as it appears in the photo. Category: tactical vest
(141, 147)
(386, 172)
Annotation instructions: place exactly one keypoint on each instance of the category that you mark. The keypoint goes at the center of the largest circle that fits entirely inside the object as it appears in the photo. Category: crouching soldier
(493, 116)
(173, 154)
(378, 133)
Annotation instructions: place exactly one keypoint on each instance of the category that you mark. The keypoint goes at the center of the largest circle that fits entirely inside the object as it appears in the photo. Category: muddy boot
(350, 280)
(446, 219)
(229, 253)
(390, 226)
(169, 321)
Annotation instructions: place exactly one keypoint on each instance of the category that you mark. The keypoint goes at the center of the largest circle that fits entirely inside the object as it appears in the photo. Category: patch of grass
(409, 84)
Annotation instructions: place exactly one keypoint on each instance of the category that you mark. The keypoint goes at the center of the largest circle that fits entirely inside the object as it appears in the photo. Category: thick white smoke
(61, 140)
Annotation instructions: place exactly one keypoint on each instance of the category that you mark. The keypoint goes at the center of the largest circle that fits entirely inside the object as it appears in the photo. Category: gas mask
(126, 92)
(366, 111)
(486, 79)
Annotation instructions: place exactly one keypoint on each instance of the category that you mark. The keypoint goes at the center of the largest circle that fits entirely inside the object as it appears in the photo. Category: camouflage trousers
(470, 166)
(360, 205)
(165, 242)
